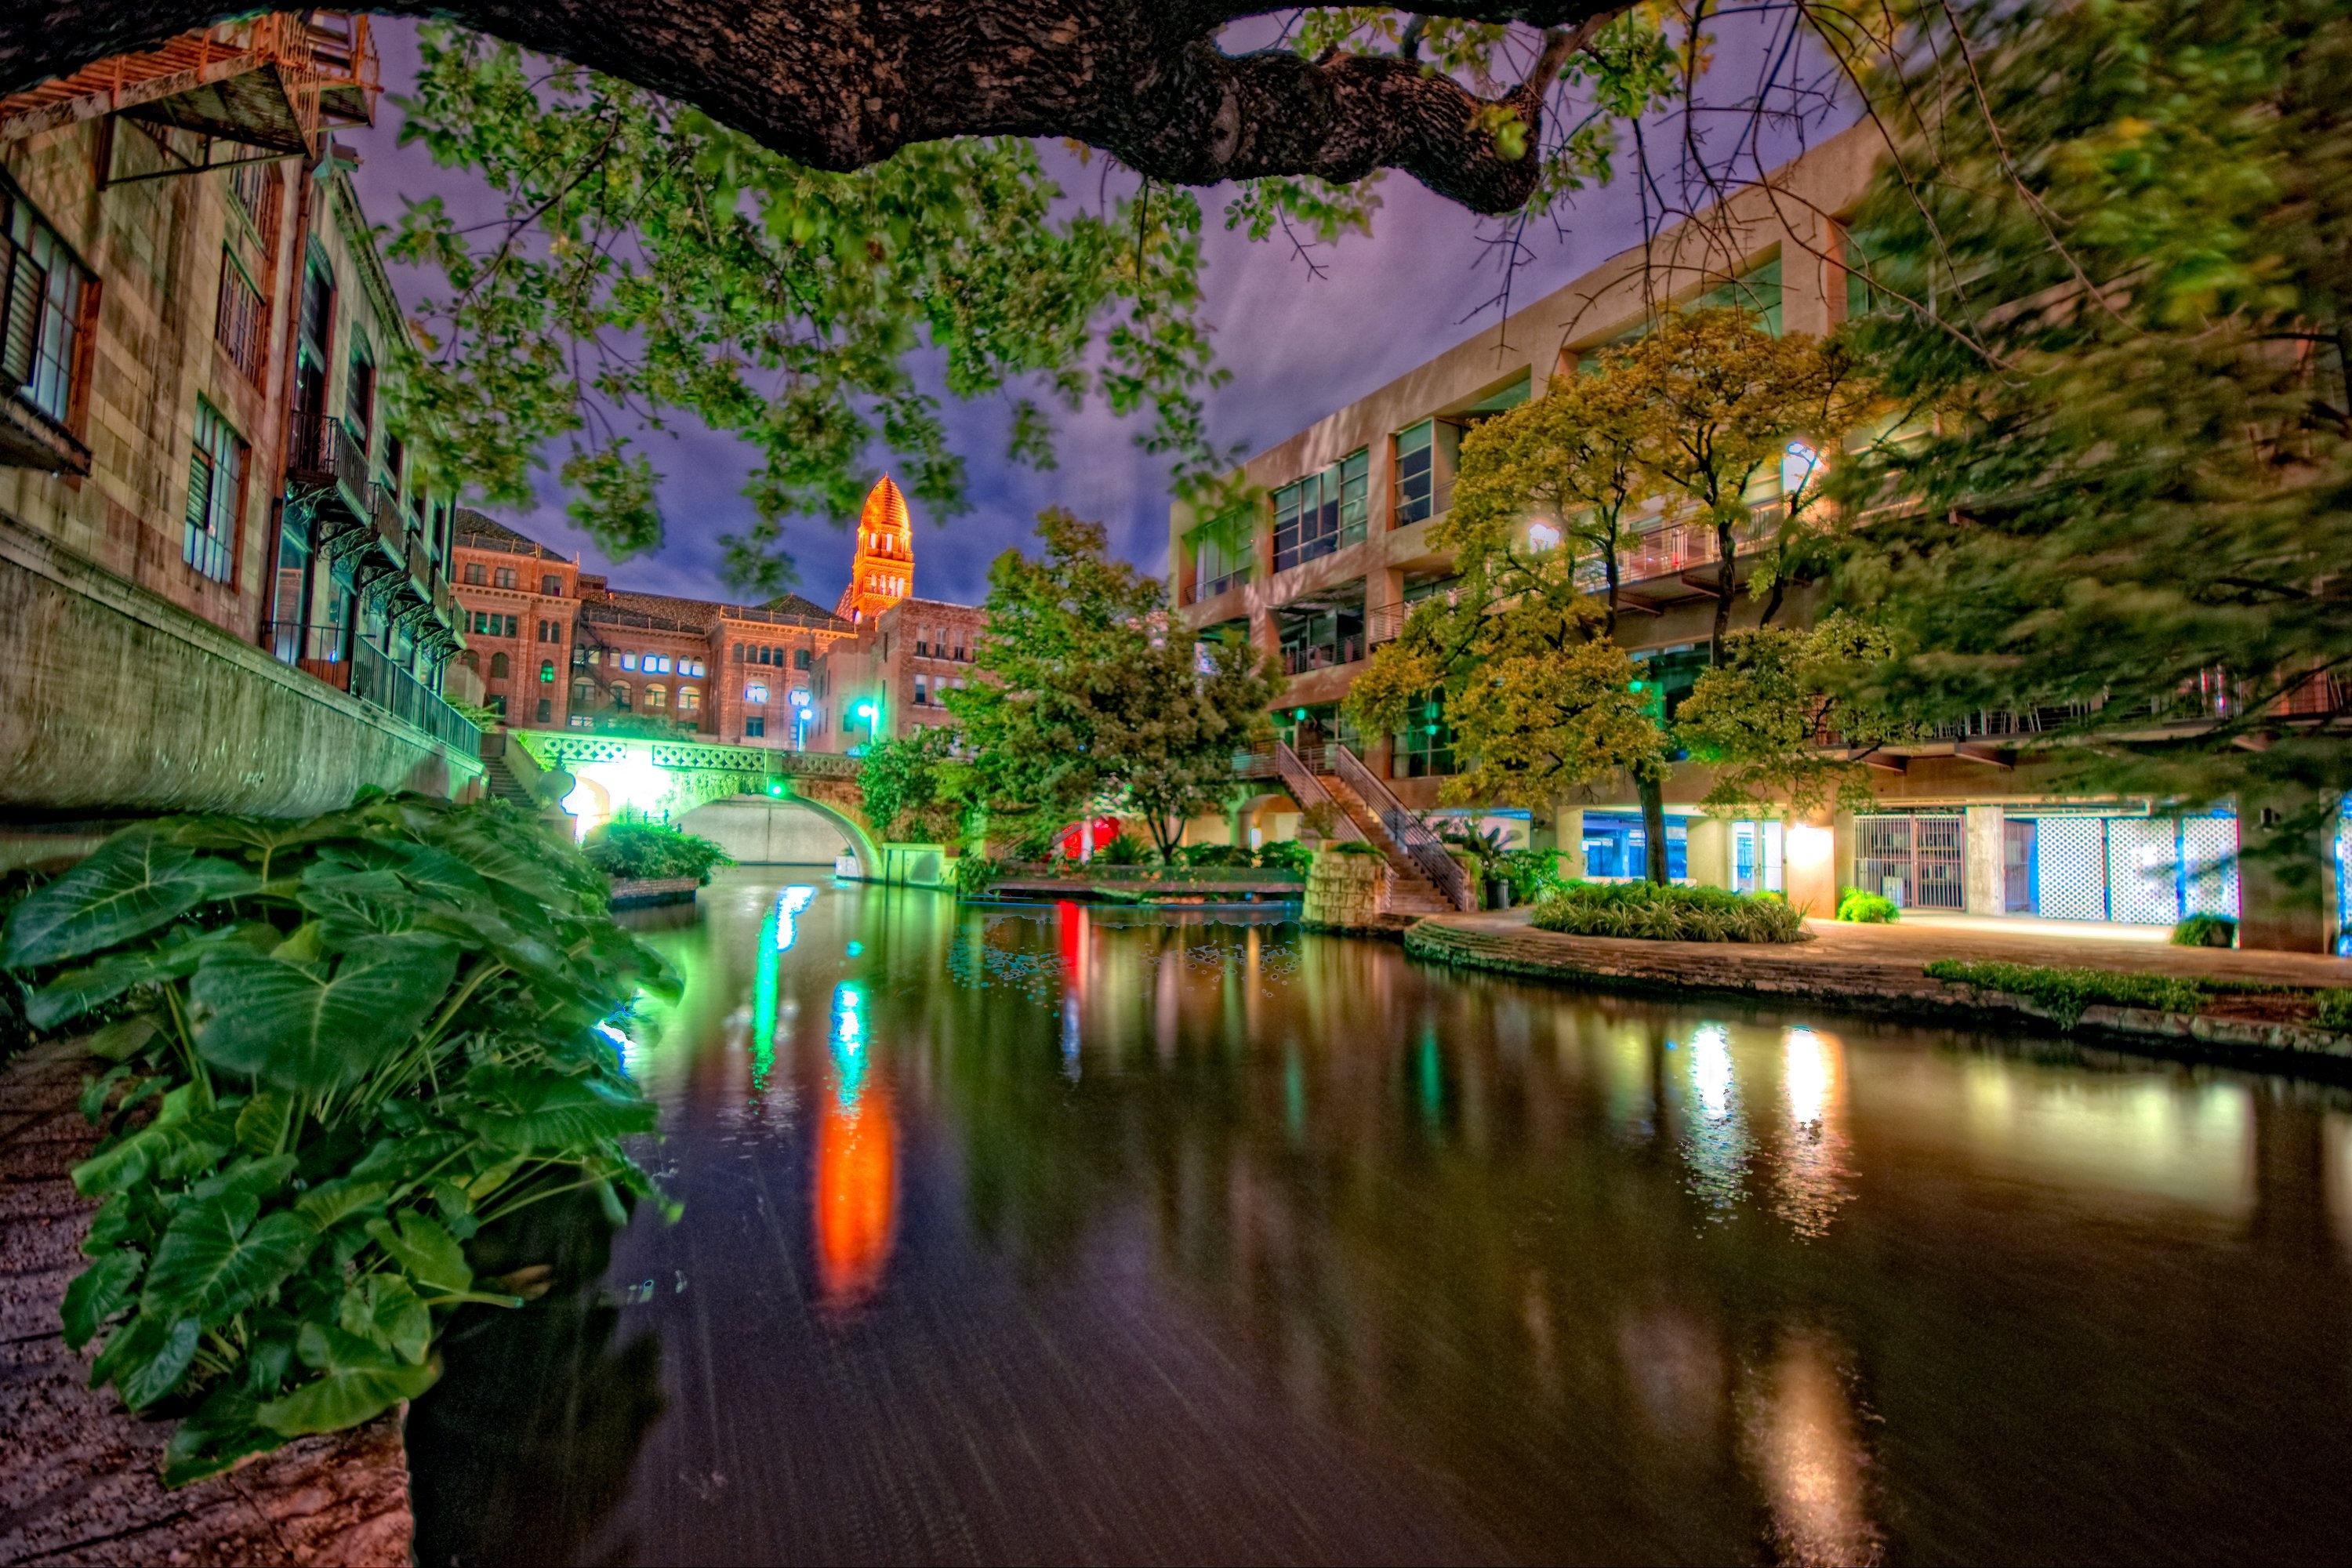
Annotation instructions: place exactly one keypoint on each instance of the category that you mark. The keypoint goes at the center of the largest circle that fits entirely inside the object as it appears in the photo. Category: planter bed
(636, 893)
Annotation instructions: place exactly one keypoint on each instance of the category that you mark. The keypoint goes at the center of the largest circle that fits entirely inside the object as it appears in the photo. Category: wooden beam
(1991, 756)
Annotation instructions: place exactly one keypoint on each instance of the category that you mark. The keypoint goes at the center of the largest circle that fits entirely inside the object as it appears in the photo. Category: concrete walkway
(1881, 968)
(78, 1474)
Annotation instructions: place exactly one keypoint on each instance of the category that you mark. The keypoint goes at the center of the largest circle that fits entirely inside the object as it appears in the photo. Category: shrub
(1213, 855)
(1866, 909)
(344, 1046)
(1666, 913)
(629, 851)
(2065, 993)
(1351, 846)
(2206, 931)
(1126, 849)
(2333, 1009)
(974, 875)
(1532, 873)
(1288, 856)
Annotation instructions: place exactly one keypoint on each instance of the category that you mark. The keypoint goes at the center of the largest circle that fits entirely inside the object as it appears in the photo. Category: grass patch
(1866, 909)
(2065, 994)
(2206, 931)
(2333, 1010)
(1667, 914)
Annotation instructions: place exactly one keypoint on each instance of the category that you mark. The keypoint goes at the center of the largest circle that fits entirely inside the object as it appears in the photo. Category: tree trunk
(1652, 788)
(1610, 547)
(841, 84)
(1726, 571)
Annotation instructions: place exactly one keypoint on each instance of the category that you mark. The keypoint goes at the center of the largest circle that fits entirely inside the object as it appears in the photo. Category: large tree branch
(841, 84)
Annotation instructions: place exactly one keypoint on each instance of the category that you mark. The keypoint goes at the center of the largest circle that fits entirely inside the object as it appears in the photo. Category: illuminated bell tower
(884, 570)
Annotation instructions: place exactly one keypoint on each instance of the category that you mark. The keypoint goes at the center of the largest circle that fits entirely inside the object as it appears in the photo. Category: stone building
(197, 471)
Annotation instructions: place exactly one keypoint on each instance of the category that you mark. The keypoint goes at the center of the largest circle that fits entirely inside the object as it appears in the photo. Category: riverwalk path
(78, 1479)
(1882, 968)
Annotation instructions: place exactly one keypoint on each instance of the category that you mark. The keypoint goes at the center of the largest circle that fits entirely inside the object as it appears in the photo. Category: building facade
(893, 678)
(1327, 566)
(197, 474)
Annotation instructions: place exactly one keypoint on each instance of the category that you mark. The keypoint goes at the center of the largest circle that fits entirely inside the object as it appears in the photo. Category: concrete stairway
(1409, 892)
(499, 776)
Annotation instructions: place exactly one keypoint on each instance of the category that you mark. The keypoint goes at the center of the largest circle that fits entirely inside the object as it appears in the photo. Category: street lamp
(872, 715)
(801, 710)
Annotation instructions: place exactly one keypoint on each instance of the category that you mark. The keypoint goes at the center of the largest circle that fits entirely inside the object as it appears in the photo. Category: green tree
(1772, 721)
(1091, 692)
(918, 786)
(2111, 269)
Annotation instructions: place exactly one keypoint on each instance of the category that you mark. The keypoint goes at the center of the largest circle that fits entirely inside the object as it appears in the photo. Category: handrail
(1309, 790)
(1410, 832)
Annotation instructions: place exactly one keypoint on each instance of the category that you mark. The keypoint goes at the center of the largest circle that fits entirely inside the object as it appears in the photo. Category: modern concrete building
(1327, 567)
(220, 587)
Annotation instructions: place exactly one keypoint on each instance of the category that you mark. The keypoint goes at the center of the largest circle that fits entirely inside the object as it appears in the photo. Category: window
(215, 494)
(800, 658)
(476, 574)
(755, 692)
(755, 727)
(1425, 456)
(629, 661)
(657, 696)
(658, 663)
(583, 694)
(547, 669)
(1321, 514)
(546, 709)
(551, 631)
(694, 666)
(922, 692)
(1424, 748)
(551, 584)
(358, 400)
(1222, 548)
(500, 666)
(621, 695)
(241, 322)
(739, 653)
(505, 577)
(259, 189)
(40, 337)
(317, 308)
(1757, 289)
(487, 625)
(689, 699)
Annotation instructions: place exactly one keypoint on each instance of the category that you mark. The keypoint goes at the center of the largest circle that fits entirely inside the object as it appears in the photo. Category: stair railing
(1309, 790)
(1422, 846)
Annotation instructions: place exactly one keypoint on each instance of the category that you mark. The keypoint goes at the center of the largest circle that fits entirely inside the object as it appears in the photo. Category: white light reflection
(1715, 1144)
(1806, 1071)
(1815, 1175)
(789, 904)
(1711, 1069)
(1805, 1443)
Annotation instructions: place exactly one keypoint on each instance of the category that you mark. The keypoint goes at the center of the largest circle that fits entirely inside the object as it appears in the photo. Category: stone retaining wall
(1867, 985)
(1344, 892)
(628, 891)
(78, 1473)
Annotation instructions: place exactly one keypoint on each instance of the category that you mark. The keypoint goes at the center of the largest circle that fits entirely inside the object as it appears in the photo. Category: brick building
(197, 469)
(900, 666)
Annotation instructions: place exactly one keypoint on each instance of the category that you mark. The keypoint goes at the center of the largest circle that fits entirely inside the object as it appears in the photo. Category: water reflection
(1109, 1237)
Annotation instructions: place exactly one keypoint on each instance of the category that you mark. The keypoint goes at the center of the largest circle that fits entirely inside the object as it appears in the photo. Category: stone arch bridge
(765, 806)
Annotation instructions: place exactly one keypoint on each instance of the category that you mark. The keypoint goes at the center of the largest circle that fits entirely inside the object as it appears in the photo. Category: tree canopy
(1092, 696)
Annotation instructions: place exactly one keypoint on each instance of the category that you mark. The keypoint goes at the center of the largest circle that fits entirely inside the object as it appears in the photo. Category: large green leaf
(354, 903)
(146, 1358)
(138, 880)
(556, 875)
(297, 1029)
(550, 1114)
(221, 1432)
(215, 1260)
(77, 990)
(431, 1254)
(384, 1309)
(179, 1142)
(99, 1292)
(264, 1123)
(329, 1203)
(362, 1382)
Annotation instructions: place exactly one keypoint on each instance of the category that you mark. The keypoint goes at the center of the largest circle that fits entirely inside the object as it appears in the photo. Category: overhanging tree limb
(843, 84)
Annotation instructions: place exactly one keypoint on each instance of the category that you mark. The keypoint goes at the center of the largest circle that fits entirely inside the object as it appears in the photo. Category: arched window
(657, 696)
(621, 695)
(688, 699)
(755, 693)
(547, 669)
(500, 667)
(583, 694)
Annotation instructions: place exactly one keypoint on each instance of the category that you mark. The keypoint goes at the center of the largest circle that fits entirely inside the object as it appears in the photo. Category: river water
(1050, 1234)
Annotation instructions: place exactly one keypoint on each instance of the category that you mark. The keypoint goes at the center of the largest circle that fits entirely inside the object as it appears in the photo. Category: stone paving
(78, 1473)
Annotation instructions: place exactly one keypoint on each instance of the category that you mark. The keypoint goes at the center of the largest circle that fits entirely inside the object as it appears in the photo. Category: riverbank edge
(1761, 973)
(80, 1479)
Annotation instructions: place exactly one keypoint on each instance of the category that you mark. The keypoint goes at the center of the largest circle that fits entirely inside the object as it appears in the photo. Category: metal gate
(1918, 861)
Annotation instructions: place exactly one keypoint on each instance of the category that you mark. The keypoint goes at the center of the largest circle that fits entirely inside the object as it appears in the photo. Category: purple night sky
(1298, 345)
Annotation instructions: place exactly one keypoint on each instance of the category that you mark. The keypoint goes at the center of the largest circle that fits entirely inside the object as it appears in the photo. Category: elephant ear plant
(338, 1049)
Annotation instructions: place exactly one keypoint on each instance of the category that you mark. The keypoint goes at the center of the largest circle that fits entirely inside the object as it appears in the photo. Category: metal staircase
(1423, 878)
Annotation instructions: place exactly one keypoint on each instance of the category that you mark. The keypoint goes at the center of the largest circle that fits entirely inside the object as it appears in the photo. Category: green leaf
(177, 1143)
(99, 1293)
(384, 1311)
(421, 1245)
(262, 1124)
(362, 1382)
(329, 1204)
(146, 1358)
(351, 903)
(215, 1260)
(292, 1026)
(138, 880)
(123, 1039)
(544, 1111)
(95, 1090)
(221, 1432)
(77, 991)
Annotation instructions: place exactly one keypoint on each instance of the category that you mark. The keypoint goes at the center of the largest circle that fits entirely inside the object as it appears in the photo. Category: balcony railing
(375, 680)
(321, 450)
(1299, 660)
(1415, 837)
(1210, 587)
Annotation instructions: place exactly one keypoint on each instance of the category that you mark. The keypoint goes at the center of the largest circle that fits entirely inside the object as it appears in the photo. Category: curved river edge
(1866, 969)
(79, 1473)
